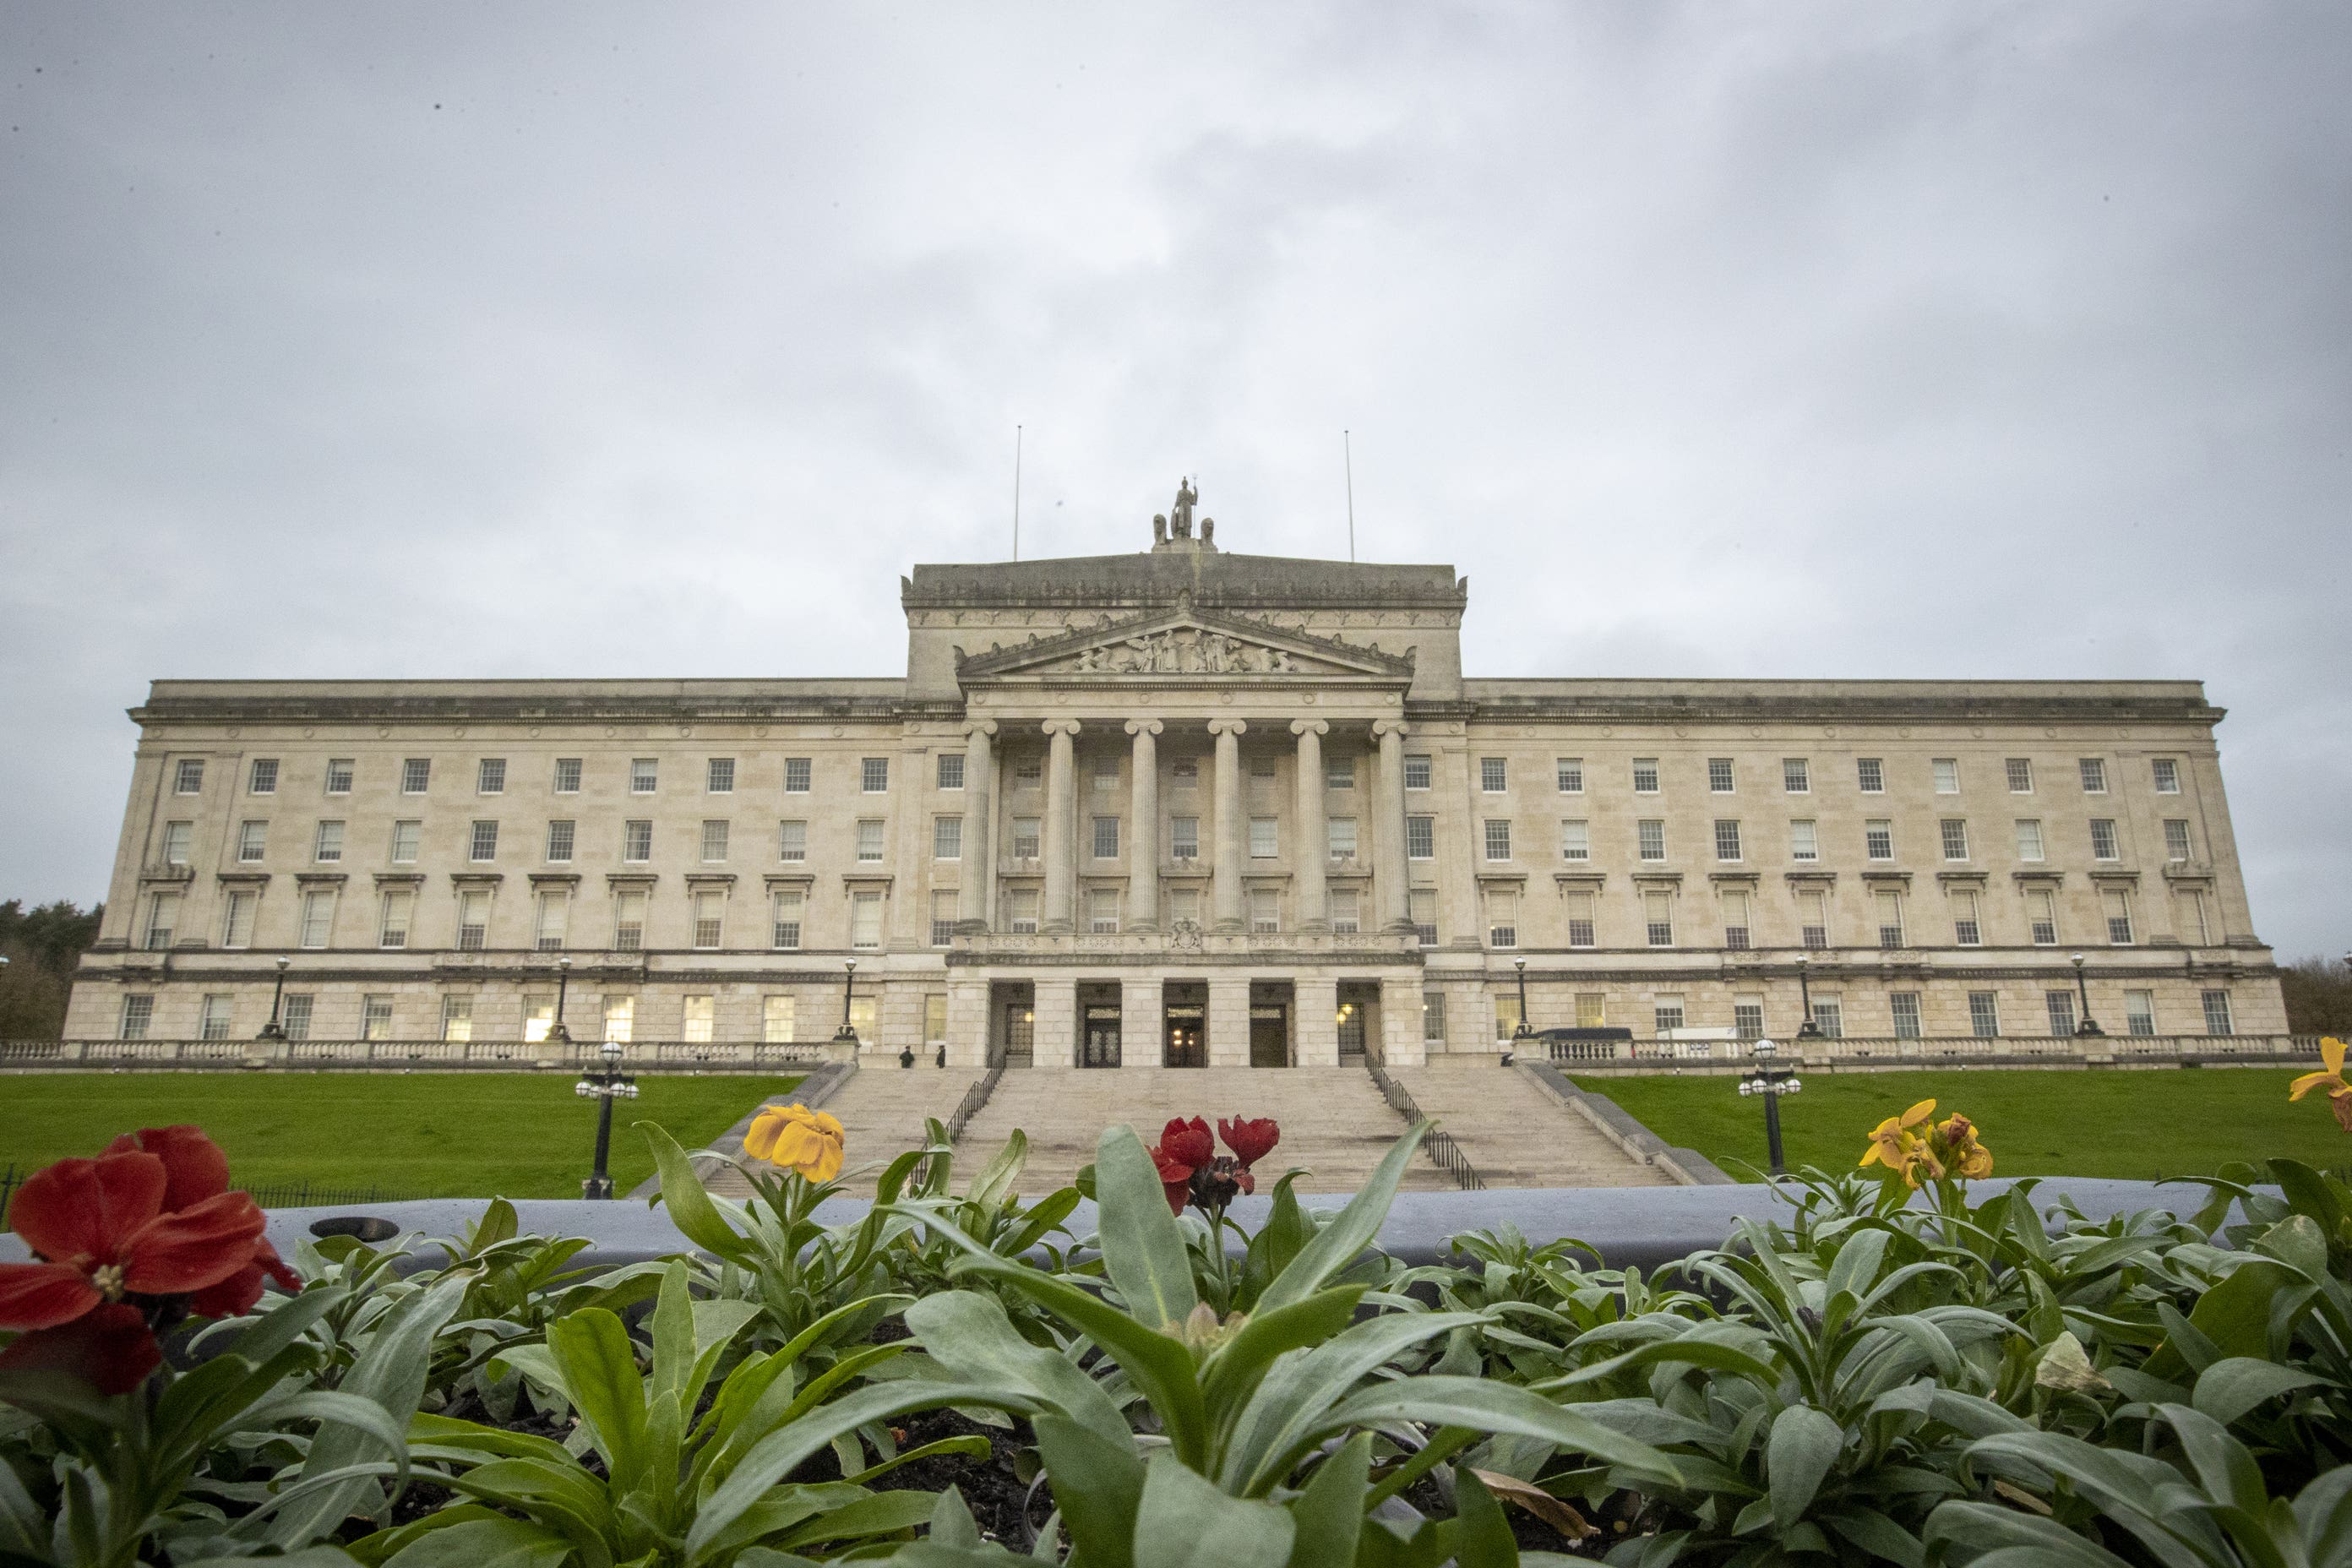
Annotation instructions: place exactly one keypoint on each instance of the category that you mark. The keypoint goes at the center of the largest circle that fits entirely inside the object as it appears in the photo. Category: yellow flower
(1966, 1156)
(1894, 1144)
(798, 1139)
(2339, 1093)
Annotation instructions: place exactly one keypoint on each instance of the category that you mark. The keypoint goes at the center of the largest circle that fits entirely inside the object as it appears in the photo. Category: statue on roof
(1180, 518)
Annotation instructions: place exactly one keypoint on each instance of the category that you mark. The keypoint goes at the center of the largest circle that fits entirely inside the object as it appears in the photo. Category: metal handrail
(973, 1098)
(1439, 1145)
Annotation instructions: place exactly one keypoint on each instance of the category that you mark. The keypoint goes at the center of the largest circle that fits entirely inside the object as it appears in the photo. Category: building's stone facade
(1345, 839)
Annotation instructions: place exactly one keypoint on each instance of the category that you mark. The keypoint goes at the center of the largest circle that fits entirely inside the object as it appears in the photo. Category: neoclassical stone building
(1179, 807)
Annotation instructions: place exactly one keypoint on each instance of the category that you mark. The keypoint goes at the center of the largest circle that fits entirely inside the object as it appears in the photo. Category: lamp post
(273, 1030)
(2089, 1026)
(556, 1031)
(1772, 1086)
(1526, 1030)
(605, 1086)
(845, 1034)
(1808, 1030)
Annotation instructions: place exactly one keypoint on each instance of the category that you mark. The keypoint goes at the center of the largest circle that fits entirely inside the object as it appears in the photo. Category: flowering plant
(793, 1137)
(1191, 1169)
(1913, 1145)
(2339, 1093)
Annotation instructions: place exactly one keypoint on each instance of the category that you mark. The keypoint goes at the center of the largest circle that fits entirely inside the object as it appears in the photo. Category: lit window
(138, 1017)
(1878, 839)
(638, 839)
(188, 778)
(1024, 837)
(484, 844)
(1726, 839)
(473, 920)
(1263, 842)
(1494, 777)
(644, 775)
(262, 777)
(777, 1019)
(561, 835)
(327, 845)
(947, 838)
(1591, 1010)
(1506, 1016)
(1570, 772)
(866, 920)
(784, 920)
(1947, 779)
(695, 1019)
(1498, 839)
(1870, 775)
(951, 770)
(1645, 775)
(1420, 837)
(1576, 840)
(1904, 1005)
(869, 839)
(176, 838)
(1340, 831)
(1650, 839)
(1416, 771)
(874, 775)
(2095, 775)
(252, 842)
(2103, 838)
(2176, 839)
(2029, 839)
(415, 775)
(567, 775)
(1184, 837)
(620, 1019)
(935, 1018)
(2167, 775)
(1796, 775)
(718, 775)
(1106, 838)
(791, 842)
(1719, 777)
(1984, 1015)
(339, 775)
(1804, 840)
(391, 926)
(2021, 776)
(2216, 1013)
(1956, 837)
(490, 776)
(709, 918)
(714, 841)
(456, 1017)
(796, 775)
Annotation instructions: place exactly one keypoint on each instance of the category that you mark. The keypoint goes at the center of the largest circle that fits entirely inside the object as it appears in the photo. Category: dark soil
(995, 1495)
(1613, 1521)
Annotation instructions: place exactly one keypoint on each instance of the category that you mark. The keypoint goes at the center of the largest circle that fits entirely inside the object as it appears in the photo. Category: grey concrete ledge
(1687, 1167)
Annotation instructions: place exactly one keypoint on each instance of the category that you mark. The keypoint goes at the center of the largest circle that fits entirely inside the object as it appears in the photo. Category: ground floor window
(138, 1017)
(219, 1008)
(2060, 1005)
(1433, 1017)
(2139, 1012)
(620, 1019)
(777, 1020)
(1904, 1005)
(1506, 1016)
(695, 1024)
(2217, 1014)
(296, 1019)
(456, 1017)
(1984, 1015)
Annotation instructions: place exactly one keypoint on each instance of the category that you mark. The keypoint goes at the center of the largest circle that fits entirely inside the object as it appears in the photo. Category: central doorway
(1016, 1023)
(1185, 1004)
(1269, 1034)
(1098, 1007)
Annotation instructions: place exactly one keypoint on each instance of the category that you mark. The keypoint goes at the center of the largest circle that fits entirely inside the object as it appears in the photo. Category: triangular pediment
(1178, 642)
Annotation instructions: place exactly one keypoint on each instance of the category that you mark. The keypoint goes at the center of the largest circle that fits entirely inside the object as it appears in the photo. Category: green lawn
(2141, 1125)
(416, 1134)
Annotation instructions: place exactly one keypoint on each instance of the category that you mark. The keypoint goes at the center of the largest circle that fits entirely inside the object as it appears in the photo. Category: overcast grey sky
(1837, 339)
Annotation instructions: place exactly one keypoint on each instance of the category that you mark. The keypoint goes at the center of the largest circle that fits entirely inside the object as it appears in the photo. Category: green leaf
(968, 1334)
(673, 1332)
(1685, 1350)
(485, 1543)
(1142, 1246)
(879, 1514)
(2010, 1539)
(1338, 1244)
(1330, 1512)
(1185, 1522)
(690, 1208)
(2233, 1387)
(1804, 1446)
(1482, 1537)
(600, 1374)
(309, 1557)
(1485, 1407)
(1282, 1236)
(1238, 1365)
(2224, 1468)
(1273, 1430)
(973, 1446)
(1098, 1484)
(951, 1522)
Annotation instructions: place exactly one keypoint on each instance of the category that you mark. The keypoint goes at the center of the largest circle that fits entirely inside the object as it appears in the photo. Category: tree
(43, 946)
(2318, 996)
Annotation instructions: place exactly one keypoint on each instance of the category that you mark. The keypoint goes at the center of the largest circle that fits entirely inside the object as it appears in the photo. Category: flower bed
(1899, 1370)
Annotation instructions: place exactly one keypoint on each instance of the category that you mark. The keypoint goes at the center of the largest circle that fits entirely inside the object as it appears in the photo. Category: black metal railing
(300, 1194)
(1439, 1145)
(973, 1098)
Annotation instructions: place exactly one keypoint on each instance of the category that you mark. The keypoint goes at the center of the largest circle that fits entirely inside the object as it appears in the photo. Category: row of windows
(1804, 839)
(490, 775)
(780, 1020)
(1669, 1017)
(1796, 774)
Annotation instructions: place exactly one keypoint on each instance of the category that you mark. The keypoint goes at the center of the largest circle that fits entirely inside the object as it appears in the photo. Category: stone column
(1401, 1020)
(1389, 871)
(1055, 1035)
(1312, 858)
(967, 1019)
(1229, 1020)
(1315, 1031)
(1142, 1035)
(1061, 827)
(1143, 830)
(976, 899)
(1227, 880)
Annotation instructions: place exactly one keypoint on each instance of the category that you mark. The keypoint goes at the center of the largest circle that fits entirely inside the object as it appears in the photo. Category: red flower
(1184, 1147)
(1251, 1140)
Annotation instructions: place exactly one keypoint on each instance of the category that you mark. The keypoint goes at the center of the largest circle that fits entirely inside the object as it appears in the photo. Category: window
(935, 1018)
(1264, 912)
(252, 841)
(138, 1017)
(784, 920)
(1185, 773)
(1506, 1016)
(715, 834)
(2139, 1013)
(483, 843)
(1025, 838)
(1494, 775)
(1736, 929)
(236, 927)
(1579, 919)
(1890, 918)
(1968, 931)
(2021, 776)
(1591, 1010)
(1658, 916)
(709, 918)
(2176, 839)
(1021, 910)
(1106, 838)
(1420, 838)
(1814, 919)
(415, 775)
(1726, 839)
(2029, 839)
(943, 918)
(1421, 908)
(1984, 1015)
(1645, 775)
(866, 920)
(644, 775)
(1347, 906)
(1184, 837)
(1650, 839)
(1341, 833)
(375, 1018)
(552, 920)
(1576, 840)
(2167, 775)
(874, 775)
(1747, 1018)
(1948, 774)
(2190, 902)
(217, 1018)
(1183, 905)
(1569, 771)
(869, 839)
(188, 778)
(1498, 839)
(490, 776)
(1262, 843)
(1339, 773)
(2216, 1013)
(2095, 775)
(777, 1019)
(1667, 1014)
(947, 838)
(2103, 838)
(176, 838)
(796, 775)
(620, 1019)
(1956, 837)
(2060, 1007)
(1796, 775)
(1106, 772)
(1804, 840)
(326, 843)
(1904, 1005)
(1829, 1018)
(1028, 769)
(1878, 839)
(1416, 771)
(1102, 911)
(456, 1017)
(1719, 777)
(2041, 917)
(392, 924)
(629, 920)
(1502, 917)
(567, 775)
(473, 920)
(339, 775)
(791, 842)
(296, 1020)
(718, 775)
(1433, 1017)
(2117, 905)
(561, 834)
(1870, 775)
(406, 838)
(262, 778)
(318, 917)
(861, 1016)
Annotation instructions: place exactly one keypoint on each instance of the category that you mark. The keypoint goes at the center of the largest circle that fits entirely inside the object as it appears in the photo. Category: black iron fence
(300, 1194)
(1439, 1145)
(973, 1098)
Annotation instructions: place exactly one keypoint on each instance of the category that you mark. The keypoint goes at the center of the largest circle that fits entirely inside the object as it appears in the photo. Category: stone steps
(1515, 1133)
(881, 1110)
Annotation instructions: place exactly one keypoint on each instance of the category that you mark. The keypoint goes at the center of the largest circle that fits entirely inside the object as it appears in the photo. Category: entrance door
(1186, 1048)
(1102, 1038)
(1269, 1036)
(1019, 1033)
